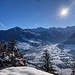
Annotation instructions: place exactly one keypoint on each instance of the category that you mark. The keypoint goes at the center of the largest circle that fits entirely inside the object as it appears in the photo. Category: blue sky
(35, 13)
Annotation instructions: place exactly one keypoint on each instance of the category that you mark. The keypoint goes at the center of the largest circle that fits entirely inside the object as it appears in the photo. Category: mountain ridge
(51, 34)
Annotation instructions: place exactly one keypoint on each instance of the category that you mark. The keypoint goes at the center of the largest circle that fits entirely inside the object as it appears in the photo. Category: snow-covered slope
(61, 58)
(22, 71)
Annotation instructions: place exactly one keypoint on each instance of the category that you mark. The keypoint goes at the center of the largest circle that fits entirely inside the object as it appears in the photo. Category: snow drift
(22, 71)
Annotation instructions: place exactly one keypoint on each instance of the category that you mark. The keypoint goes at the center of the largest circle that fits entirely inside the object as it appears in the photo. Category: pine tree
(46, 63)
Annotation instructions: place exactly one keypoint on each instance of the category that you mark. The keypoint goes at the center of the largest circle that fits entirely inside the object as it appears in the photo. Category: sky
(36, 13)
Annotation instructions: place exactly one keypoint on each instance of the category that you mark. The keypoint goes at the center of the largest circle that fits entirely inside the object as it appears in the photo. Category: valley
(61, 59)
(32, 43)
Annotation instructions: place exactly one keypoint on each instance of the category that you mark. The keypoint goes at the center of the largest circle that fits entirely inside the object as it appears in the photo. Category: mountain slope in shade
(71, 39)
(17, 33)
(44, 34)
(22, 71)
(69, 44)
(60, 34)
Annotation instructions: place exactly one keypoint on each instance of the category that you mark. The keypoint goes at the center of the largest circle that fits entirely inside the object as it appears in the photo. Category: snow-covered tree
(9, 54)
(46, 63)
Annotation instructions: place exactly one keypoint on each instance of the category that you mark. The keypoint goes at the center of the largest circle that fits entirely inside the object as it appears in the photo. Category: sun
(64, 12)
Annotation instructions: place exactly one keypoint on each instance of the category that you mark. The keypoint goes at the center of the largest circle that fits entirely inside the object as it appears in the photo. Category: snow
(59, 56)
(57, 61)
(23, 45)
(67, 71)
(22, 71)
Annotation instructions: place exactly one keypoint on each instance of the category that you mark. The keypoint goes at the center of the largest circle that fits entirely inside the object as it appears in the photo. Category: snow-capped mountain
(24, 35)
(22, 71)
(69, 44)
(59, 29)
(71, 39)
(32, 43)
(43, 34)
(17, 33)
(60, 34)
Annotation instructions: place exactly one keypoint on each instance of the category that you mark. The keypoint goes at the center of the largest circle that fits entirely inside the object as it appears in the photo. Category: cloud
(1, 24)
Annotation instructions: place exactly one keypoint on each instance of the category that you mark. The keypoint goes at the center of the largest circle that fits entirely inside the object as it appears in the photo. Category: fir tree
(46, 63)
(13, 51)
(9, 55)
(3, 46)
(12, 48)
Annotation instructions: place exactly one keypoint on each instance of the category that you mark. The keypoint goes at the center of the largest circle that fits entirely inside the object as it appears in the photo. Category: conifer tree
(46, 63)
(12, 48)
(9, 55)
(3, 46)
(13, 51)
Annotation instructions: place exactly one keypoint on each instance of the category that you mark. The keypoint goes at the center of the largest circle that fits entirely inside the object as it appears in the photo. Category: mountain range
(60, 42)
(43, 34)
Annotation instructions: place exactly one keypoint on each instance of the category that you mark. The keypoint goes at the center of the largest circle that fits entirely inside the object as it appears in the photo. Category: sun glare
(64, 12)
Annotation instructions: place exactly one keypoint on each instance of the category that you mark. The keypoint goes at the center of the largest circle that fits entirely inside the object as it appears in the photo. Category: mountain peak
(17, 27)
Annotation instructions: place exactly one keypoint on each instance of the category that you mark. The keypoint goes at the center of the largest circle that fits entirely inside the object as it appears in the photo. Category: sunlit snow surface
(22, 71)
(24, 46)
